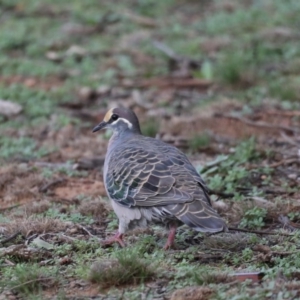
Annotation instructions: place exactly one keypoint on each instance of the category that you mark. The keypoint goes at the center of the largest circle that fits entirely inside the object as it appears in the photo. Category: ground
(218, 79)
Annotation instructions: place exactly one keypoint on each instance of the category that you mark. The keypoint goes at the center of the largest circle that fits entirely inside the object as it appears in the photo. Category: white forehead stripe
(125, 121)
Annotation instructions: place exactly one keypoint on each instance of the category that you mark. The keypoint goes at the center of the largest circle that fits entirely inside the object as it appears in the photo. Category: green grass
(28, 279)
(246, 60)
(22, 148)
(75, 217)
(199, 141)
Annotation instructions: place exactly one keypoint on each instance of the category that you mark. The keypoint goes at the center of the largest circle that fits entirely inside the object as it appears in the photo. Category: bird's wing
(141, 177)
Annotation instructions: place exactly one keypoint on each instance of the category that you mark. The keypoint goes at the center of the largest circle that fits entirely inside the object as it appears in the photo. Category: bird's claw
(117, 238)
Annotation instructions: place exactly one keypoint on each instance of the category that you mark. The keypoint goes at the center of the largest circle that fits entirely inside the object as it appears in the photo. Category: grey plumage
(150, 181)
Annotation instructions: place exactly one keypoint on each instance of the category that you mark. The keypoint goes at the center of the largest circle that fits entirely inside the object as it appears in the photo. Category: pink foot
(117, 238)
(170, 241)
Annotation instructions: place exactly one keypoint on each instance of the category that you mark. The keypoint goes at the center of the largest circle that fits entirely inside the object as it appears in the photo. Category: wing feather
(149, 180)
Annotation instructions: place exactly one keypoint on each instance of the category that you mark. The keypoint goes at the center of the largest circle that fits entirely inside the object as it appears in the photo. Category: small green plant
(246, 151)
(285, 89)
(184, 275)
(294, 216)
(4, 219)
(64, 249)
(230, 172)
(247, 254)
(254, 218)
(232, 67)
(229, 182)
(150, 128)
(199, 141)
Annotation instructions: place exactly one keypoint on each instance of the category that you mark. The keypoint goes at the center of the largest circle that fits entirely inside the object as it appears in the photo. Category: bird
(151, 182)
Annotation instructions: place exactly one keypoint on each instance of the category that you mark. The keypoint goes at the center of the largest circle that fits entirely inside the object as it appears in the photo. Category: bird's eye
(114, 117)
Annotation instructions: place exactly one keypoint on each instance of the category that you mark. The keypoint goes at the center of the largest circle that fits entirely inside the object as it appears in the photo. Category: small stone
(103, 90)
(9, 109)
(65, 260)
(76, 50)
(85, 93)
(54, 56)
(293, 176)
(30, 82)
(220, 205)
(73, 230)
(72, 28)
(69, 224)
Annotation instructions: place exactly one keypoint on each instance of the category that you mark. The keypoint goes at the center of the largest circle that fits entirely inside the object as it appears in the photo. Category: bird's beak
(100, 126)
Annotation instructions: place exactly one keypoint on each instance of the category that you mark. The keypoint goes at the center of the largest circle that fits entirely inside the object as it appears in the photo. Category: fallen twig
(184, 61)
(47, 186)
(171, 82)
(90, 163)
(166, 50)
(66, 237)
(29, 281)
(288, 139)
(284, 252)
(9, 263)
(8, 239)
(86, 230)
(283, 113)
(285, 221)
(145, 21)
(9, 207)
(274, 192)
(213, 164)
(221, 194)
(259, 124)
(11, 250)
(206, 257)
(258, 231)
(284, 162)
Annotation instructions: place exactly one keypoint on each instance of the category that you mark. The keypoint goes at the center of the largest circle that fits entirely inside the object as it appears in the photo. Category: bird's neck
(120, 137)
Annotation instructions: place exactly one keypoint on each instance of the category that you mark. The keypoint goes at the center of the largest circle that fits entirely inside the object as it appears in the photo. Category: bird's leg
(117, 238)
(171, 237)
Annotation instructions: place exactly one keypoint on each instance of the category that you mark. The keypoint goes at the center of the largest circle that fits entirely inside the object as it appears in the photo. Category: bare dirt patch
(228, 120)
(75, 187)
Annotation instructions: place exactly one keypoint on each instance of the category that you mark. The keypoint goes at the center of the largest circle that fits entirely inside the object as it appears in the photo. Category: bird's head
(120, 120)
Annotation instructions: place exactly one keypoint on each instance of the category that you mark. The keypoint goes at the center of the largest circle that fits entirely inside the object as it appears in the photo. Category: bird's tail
(199, 216)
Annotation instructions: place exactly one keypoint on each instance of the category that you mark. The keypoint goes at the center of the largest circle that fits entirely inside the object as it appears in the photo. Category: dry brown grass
(230, 210)
(192, 293)
(127, 268)
(19, 184)
(96, 208)
(229, 241)
(34, 224)
(37, 207)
